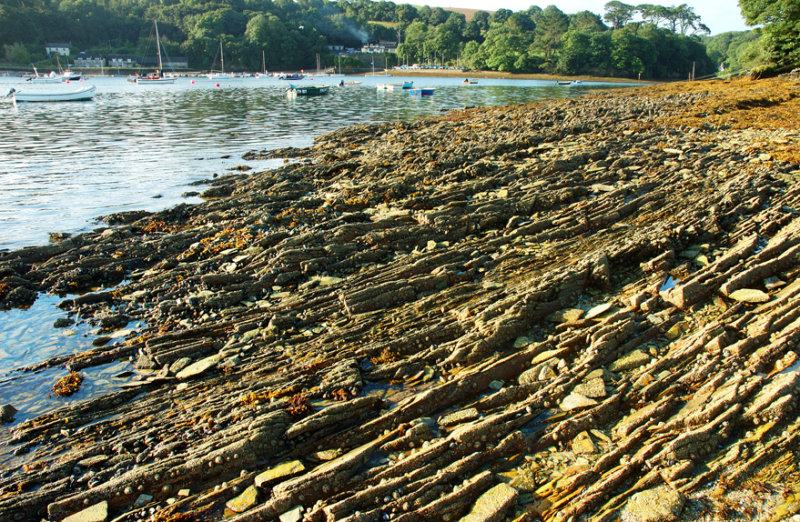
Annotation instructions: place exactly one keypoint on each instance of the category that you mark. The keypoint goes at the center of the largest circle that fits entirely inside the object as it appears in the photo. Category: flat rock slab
(96, 513)
(576, 401)
(570, 315)
(244, 501)
(593, 388)
(458, 416)
(630, 361)
(599, 310)
(661, 504)
(199, 367)
(492, 505)
(281, 471)
(749, 295)
(293, 515)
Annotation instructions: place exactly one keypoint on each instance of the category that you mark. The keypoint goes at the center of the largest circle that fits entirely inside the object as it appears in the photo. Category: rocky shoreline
(583, 309)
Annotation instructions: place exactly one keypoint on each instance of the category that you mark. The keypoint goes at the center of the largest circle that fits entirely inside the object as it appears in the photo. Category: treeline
(648, 40)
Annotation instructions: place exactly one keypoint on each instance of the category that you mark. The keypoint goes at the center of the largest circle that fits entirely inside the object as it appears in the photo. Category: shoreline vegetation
(580, 309)
(483, 74)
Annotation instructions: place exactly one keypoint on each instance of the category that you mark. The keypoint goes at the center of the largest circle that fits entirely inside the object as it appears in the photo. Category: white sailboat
(222, 75)
(157, 76)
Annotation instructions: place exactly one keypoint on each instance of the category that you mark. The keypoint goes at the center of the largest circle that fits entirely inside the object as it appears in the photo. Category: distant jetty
(582, 309)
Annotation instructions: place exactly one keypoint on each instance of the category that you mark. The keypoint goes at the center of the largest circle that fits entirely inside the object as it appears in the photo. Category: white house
(122, 61)
(89, 60)
(57, 48)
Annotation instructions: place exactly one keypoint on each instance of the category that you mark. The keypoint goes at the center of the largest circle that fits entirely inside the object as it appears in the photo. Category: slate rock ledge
(555, 312)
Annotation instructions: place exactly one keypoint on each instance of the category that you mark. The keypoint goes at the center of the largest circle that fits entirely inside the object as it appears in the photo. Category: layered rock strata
(550, 312)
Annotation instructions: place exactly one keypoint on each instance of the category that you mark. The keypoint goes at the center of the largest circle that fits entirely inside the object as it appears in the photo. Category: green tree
(414, 45)
(655, 14)
(473, 57)
(618, 14)
(586, 21)
(17, 53)
(503, 49)
(551, 25)
(631, 55)
(781, 20)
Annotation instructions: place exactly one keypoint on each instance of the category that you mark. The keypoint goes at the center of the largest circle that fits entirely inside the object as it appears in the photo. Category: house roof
(56, 45)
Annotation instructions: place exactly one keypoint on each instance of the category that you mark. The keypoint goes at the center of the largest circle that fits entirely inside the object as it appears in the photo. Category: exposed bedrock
(566, 311)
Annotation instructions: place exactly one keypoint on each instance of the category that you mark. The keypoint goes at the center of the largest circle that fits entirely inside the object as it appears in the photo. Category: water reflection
(27, 337)
(138, 147)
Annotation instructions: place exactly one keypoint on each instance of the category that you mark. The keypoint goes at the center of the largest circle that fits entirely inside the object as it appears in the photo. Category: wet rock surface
(521, 313)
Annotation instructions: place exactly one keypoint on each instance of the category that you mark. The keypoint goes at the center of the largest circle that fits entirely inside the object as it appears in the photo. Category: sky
(720, 16)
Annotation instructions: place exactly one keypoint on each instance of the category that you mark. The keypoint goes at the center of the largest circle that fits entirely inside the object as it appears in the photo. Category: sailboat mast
(221, 57)
(263, 63)
(158, 47)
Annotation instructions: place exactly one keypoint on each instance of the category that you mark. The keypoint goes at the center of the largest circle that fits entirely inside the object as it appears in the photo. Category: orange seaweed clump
(68, 385)
(177, 517)
(157, 226)
(740, 104)
(299, 406)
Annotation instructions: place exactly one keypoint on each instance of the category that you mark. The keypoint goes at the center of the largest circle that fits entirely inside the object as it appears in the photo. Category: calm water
(139, 147)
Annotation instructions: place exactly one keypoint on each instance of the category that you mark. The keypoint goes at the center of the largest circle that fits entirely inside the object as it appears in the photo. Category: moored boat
(422, 91)
(408, 85)
(388, 86)
(294, 76)
(221, 74)
(70, 76)
(157, 76)
(154, 78)
(36, 78)
(308, 90)
(80, 94)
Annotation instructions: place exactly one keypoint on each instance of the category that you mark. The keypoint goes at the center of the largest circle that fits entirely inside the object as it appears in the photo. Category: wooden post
(693, 64)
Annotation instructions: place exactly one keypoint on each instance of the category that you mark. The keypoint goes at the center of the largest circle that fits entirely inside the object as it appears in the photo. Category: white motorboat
(60, 95)
(36, 78)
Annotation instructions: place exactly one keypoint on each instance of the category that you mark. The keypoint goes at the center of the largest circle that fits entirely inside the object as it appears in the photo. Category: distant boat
(388, 86)
(294, 76)
(308, 90)
(67, 76)
(408, 85)
(36, 78)
(221, 75)
(467, 81)
(422, 91)
(157, 76)
(80, 94)
(352, 82)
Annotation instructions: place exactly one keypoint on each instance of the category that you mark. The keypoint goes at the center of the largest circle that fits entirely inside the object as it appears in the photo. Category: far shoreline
(500, 75)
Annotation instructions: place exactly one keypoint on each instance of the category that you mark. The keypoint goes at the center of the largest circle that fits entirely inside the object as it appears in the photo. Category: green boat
(310, 90)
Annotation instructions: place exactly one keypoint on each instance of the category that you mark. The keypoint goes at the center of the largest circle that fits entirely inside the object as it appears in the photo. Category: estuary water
(137, 147)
